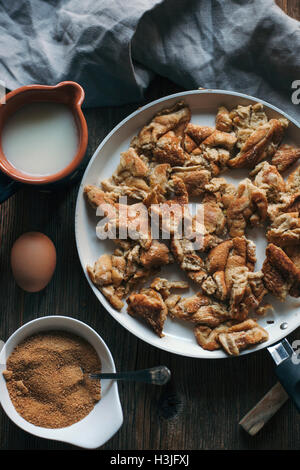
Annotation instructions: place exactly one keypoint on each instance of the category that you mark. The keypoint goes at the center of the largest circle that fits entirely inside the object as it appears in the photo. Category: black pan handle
(288, 373)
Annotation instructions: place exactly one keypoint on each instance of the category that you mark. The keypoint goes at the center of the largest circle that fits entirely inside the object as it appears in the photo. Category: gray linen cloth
(113, 48)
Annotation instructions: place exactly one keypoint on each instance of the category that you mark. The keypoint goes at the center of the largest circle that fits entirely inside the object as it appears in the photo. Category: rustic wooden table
(201, 407)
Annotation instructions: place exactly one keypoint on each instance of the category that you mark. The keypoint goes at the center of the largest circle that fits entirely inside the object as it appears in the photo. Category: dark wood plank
(291, 7)
(201, 407)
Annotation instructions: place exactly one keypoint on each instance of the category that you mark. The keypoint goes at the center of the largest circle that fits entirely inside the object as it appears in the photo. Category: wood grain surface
(203, 404)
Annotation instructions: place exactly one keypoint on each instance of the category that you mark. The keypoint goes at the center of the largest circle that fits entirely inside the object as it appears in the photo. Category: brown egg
(33, 261)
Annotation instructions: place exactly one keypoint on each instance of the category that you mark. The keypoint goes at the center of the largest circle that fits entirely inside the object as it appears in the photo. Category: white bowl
(106, 417)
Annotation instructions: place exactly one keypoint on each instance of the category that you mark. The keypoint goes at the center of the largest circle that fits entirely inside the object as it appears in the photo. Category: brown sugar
(47, 379)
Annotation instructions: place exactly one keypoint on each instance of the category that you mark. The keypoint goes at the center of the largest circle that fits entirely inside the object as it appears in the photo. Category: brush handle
(258, 416)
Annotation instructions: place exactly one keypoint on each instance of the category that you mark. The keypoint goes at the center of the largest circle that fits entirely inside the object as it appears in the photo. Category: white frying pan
(179, 337)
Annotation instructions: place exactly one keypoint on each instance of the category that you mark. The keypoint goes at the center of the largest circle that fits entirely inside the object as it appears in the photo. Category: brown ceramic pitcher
(68, 93)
